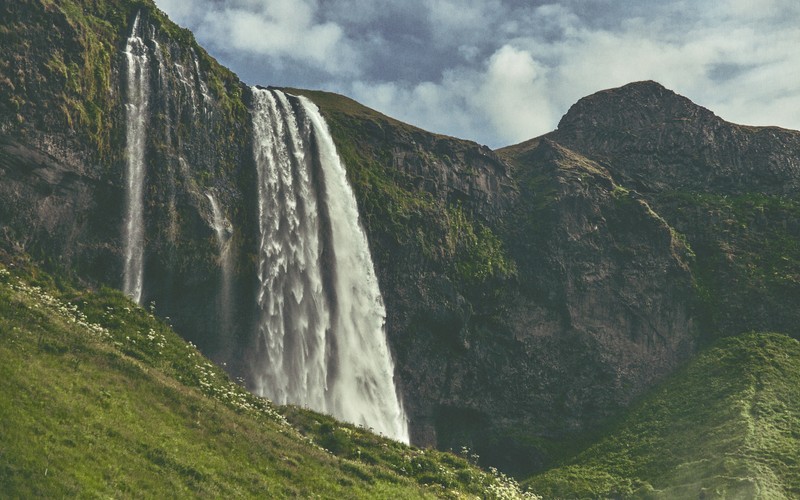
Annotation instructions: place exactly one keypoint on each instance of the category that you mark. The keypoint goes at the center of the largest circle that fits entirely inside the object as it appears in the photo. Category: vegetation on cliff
(399, 208)
(747, 265)
(59, 61)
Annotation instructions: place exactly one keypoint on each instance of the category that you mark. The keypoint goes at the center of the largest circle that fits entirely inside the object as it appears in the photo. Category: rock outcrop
(654, 139)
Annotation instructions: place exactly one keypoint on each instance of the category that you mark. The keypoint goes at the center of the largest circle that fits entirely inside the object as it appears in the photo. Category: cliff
(514, 285)
(62, 195)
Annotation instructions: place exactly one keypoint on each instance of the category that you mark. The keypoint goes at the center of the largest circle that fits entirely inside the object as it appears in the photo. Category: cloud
(504, 100)
(514, 95)
(501, 71)
(277, 30)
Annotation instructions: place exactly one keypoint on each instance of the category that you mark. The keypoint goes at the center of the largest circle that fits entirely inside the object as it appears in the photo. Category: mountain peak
(632, 106)
(655, 139)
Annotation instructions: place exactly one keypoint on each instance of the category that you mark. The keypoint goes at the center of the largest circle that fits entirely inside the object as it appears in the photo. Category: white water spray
(136, 117)
(322, 315)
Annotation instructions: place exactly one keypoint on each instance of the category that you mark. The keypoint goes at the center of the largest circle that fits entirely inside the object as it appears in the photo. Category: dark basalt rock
(654, 139)
(600, 311)
(730, 190)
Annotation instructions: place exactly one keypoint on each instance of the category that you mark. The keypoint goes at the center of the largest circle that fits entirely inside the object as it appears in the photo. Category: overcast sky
(502, 71)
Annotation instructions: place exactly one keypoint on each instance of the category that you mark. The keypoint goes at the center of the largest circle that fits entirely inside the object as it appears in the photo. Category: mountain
(532, 294)
(730, 190)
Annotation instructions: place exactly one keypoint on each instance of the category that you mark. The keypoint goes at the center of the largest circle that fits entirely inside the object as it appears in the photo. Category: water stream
(136, 120)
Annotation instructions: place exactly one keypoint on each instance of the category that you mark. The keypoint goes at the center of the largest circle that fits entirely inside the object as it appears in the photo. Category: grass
(99, 398)
(726, 426)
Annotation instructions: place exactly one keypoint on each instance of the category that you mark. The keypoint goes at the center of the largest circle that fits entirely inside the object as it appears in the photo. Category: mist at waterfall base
(322, 340)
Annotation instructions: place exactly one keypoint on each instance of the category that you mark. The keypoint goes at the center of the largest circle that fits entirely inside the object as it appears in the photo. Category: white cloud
(505, 100)
(452, 21)
(514, 95)
(276, 29)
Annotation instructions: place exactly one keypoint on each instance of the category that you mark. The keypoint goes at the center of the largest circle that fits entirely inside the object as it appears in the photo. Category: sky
(502, 71)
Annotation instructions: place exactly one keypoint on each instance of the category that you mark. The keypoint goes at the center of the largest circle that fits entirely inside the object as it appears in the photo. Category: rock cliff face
(63, 157)
(730, 190)
(572, 298)
(655, 140)
(531, 293)
(598, 309)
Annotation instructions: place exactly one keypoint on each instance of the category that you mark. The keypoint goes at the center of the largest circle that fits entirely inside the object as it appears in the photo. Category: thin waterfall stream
(136, 121)
(223, 230)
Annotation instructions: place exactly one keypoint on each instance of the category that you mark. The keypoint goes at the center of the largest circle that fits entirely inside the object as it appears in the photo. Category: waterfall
(136, 117)
(321, 331)
(223, 231)
(203, 86)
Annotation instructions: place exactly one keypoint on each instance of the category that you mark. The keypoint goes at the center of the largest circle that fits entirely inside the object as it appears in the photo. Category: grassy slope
(728, 425)
(97, 397)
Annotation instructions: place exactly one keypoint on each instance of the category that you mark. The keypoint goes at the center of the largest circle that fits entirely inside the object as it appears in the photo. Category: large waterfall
(136, 116)
(322, 335)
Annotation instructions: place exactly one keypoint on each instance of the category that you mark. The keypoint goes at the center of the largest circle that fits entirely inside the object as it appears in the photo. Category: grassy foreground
(99, 398)
(727, 426)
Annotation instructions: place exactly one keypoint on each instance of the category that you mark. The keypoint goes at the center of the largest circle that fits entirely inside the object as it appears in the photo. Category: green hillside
(99, 398)
(727, 426)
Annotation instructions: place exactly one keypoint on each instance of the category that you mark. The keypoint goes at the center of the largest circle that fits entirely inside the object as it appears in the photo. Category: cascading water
(203, 85)
(321, 312)
(136, 116)
(223, 230)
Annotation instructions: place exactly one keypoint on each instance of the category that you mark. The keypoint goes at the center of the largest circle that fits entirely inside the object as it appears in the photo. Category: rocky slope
(531, 293)
(655, 140)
